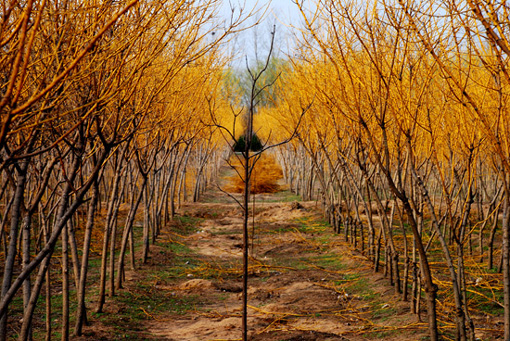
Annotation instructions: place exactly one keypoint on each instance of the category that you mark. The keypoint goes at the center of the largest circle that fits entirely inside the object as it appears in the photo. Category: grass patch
(487, 306)
(383, 334)
(360, 286)
(291, 261)
(186, 224)
(143, 302)
(311, 225)
(382, 311)
(328, 261)
(178, 249)
(284, 196)
(282, 229)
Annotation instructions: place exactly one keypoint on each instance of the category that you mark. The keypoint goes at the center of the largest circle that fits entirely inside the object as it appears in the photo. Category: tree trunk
(146, 223)
(65, 285)
(114, 240)
(13, 241)
(60, 224)
(127, 230)
(490, 260)
(506, 264)
(146, 227)
(26, 327)
(246, 212)
(74, 250)
(29, 311)
(113, 205)
(3, 236)
(27, 288)
(81, 310)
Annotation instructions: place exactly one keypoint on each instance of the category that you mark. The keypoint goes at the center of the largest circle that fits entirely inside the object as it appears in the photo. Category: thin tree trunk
(146, 225)
(3, 236)
(460, 304)
(131, 250)
(113, 205)
(13, 241)
(430, 286)
(81, 310)
(29, 312)
(506, 264)
(26, 328)
(48, 249)
(74, 250)
(114, 241)
(65, 285)
(414, 290)
(27, 287)
(490, 261)
(47, 286)
(246, 212)
(127, 230)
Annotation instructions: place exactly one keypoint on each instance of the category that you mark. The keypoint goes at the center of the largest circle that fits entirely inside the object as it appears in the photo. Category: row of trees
(405, 139)
(406, 143)
(102, 104)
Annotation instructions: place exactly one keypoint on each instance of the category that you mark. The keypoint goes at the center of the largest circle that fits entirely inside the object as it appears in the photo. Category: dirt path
(305, 282)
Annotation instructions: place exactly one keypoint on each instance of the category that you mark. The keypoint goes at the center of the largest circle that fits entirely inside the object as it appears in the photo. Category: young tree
(248, 149)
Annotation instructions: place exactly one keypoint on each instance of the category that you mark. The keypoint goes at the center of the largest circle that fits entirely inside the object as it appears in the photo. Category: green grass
(280, 230)
(359, 286)
(311, 225)
(328, 261)
(186, 224)
(382, 334)
(382, 311)
(288, 196)
(178, 249)
(351, 277)
(222, 297)
(283, 196)
(142, 302)
(486, 306)
(147, 300)
(16, 307)
(180, 270)
(133, 304)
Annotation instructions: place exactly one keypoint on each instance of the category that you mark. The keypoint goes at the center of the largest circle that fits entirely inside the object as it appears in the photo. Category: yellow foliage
(264, 177)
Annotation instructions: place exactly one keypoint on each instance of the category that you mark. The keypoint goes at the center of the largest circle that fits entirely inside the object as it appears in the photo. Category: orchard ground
(306, 283)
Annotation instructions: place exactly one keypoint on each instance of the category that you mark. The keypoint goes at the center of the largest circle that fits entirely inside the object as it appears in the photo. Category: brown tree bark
(81, 310)
(13, 241)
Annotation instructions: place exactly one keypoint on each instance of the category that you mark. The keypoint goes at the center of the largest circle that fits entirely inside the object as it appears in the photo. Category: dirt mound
(200, 330)
(299, 286)
(197, 284)
(278, 212)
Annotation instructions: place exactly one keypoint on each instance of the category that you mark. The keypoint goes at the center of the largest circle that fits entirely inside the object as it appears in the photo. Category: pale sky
(255, 41)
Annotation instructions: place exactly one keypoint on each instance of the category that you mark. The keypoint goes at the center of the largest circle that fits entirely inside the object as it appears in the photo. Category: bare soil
(305, 282)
